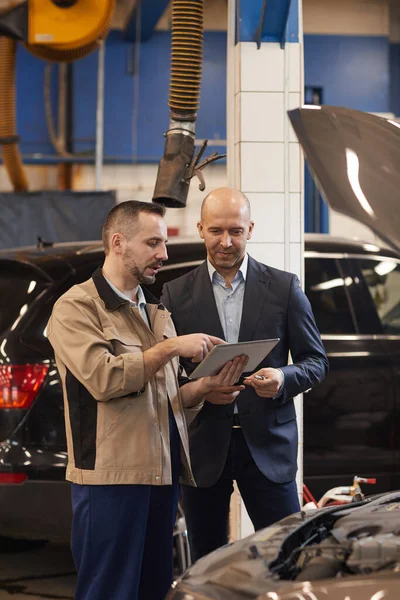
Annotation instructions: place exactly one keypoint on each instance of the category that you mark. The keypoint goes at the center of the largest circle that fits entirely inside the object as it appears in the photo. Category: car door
(341, 414)
(377, 305)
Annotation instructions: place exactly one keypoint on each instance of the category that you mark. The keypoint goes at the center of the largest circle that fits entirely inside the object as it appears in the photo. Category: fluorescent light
(311, 106)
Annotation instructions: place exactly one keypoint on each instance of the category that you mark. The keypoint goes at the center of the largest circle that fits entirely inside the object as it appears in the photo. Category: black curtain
(53, 216)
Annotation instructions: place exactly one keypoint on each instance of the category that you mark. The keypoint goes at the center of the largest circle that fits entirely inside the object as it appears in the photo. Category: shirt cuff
(280, 391)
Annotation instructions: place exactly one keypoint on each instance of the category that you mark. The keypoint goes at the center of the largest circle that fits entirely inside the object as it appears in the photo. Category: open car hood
(355, 160)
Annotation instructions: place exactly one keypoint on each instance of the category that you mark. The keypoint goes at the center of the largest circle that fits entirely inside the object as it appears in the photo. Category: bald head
(224, 201)
(225, 227)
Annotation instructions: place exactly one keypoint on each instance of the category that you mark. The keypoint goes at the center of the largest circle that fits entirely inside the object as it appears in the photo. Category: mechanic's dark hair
(123, 218)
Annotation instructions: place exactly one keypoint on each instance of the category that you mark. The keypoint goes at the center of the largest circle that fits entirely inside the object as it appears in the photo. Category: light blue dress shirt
(141, 300)
(229, 301)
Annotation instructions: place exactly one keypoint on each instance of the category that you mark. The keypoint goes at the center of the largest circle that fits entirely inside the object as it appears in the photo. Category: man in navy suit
(246, 433)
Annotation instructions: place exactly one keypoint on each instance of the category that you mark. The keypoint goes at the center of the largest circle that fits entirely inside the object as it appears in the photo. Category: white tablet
(223, 353)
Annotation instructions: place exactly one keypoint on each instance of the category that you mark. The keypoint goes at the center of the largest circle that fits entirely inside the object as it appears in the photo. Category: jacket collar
(256, 295)
(111, 300)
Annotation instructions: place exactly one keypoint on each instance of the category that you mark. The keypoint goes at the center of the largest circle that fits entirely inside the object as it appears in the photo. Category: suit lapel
(255, 295)
(204, 303)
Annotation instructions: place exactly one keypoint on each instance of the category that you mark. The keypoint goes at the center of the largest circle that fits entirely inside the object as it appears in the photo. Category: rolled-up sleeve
(74, 330)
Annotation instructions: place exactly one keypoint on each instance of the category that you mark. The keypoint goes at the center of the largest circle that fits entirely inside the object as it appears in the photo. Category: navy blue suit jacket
(274, 306)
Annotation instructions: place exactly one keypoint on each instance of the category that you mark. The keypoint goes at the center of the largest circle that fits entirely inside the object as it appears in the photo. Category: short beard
(132, 268)
(142, 278)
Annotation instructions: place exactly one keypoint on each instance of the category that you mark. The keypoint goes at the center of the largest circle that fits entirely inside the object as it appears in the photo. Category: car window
(34, 334)
(382, 279)
(17, 294)
(326, 288)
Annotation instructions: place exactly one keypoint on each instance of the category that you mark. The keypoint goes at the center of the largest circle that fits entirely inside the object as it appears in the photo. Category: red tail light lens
(19, 384)
(12, 477)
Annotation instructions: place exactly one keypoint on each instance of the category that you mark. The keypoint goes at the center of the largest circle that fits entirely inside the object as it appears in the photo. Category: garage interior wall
(352, 54)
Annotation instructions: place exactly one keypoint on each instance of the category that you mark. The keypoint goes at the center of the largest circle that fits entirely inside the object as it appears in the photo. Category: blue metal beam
(268, 21)
(149, 13)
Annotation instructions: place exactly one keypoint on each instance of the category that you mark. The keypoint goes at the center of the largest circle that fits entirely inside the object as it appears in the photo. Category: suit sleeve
(310, 364)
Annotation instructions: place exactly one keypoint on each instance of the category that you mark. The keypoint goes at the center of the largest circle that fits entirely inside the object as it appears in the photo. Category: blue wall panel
(395, 79)
(118, 100)
(120, 84)
(154, 83)
(352, 70)
(153, 94)
(281, 20)
(30, 114)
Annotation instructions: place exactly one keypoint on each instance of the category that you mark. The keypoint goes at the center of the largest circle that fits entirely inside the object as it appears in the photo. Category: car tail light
(12, 477)
(19, 384)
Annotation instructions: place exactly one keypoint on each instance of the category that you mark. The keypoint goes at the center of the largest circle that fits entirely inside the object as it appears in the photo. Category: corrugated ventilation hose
(186, 58)
(173, 179)
(10, 150)
(178, 165)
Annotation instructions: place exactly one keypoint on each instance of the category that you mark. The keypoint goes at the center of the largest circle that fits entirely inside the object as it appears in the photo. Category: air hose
(186, 59)
(9, 140)
(172, 184)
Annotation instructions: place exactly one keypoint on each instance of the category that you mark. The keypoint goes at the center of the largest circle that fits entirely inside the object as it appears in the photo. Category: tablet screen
(223, 353)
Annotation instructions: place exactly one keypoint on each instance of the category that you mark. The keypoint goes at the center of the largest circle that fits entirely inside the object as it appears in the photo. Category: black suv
(351, 420)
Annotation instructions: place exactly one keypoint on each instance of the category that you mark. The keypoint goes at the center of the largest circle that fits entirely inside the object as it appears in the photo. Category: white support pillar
(264, 157)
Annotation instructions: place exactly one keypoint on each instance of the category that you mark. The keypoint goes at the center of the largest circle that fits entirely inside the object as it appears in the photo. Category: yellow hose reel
(65, 30)
(55, 30)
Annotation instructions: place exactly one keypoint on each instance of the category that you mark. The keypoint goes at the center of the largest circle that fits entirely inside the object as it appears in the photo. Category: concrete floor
(46, 572)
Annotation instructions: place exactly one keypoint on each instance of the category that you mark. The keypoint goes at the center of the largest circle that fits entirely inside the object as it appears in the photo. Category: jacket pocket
(285, 413)
(110, 420)
(123, 341)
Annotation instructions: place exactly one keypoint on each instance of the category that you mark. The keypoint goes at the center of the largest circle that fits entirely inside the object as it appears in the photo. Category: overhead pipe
(100, 117)
(178, 165)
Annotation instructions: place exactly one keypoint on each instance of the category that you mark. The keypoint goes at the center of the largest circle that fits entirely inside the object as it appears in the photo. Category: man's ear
(200, 230)
(117, 242)
(250, 233)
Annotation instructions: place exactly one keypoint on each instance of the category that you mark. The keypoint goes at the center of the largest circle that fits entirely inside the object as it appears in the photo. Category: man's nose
(162, 254)
(226, 241)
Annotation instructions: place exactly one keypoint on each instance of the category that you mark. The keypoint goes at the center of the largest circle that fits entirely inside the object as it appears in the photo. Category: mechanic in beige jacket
(118, 358)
